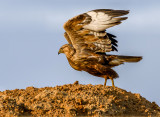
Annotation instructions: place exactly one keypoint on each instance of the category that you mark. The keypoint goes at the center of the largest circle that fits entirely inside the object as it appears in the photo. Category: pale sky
(31, 33)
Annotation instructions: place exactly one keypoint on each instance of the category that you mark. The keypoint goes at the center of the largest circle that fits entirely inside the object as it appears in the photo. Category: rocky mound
(75, 100)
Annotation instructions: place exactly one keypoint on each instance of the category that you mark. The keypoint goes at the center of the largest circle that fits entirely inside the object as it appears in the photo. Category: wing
(87, 31)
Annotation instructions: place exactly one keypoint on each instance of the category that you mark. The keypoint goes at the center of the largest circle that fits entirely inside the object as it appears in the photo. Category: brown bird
(88, 41)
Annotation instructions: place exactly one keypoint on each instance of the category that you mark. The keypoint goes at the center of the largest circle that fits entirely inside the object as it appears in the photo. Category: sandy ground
(75, 100)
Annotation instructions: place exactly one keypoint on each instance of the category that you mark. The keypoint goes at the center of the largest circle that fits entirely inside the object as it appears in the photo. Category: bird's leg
(113, 83)
(105, 81)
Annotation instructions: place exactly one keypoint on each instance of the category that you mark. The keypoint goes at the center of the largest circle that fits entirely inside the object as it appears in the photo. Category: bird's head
(65, 49)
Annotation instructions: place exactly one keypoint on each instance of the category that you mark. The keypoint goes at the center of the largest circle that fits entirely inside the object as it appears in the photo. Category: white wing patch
(102, 20)
(99, 21)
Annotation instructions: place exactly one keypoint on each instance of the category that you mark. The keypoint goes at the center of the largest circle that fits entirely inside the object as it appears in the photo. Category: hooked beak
(60, 51)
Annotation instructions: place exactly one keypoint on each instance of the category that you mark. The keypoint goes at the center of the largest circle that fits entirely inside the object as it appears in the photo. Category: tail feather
(115, 60)
(129, 58)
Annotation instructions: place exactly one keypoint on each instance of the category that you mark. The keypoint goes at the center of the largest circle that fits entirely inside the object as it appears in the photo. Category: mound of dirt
(75, 100)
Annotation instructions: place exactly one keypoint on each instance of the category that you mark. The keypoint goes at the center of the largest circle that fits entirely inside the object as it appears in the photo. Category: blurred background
(31, 33)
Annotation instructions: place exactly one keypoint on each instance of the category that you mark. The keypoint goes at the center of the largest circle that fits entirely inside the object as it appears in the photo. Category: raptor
(89, 43)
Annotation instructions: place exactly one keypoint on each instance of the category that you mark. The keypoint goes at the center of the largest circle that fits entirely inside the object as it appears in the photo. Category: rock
(76, 83)
(75, 100)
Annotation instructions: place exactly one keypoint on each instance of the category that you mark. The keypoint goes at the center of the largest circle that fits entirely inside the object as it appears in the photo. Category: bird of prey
(88, 43)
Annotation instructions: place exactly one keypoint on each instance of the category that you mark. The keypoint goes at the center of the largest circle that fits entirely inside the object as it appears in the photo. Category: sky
(31, 33)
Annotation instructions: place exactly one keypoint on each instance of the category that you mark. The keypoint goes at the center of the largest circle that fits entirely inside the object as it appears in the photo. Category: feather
(129, 58)
(103, 19)
(88, 42)
(89, 28)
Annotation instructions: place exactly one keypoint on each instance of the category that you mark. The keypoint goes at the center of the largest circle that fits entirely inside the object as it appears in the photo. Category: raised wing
(87, 31)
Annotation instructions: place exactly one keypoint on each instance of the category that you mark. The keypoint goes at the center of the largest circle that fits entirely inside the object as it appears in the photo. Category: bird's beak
(60, 51)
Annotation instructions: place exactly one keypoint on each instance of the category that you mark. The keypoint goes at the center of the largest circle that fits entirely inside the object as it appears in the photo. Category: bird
(89, 43)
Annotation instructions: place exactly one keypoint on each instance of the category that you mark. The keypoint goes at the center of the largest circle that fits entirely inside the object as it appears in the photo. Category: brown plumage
(88, 42)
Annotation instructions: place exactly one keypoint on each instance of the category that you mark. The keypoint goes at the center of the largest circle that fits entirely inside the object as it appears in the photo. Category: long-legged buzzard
(88, 43)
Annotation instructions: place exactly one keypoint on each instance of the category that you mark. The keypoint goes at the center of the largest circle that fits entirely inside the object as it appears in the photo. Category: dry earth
(75, 100)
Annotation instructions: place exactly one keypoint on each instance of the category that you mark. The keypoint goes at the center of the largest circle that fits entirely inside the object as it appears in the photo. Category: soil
(75, 100)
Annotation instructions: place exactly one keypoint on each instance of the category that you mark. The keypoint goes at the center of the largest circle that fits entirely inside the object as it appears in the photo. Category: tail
(115, 60)
(129, 58)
